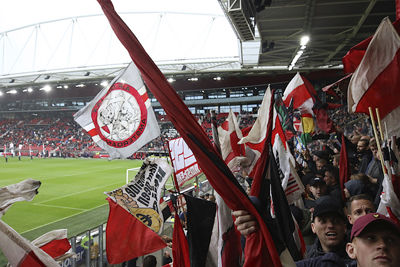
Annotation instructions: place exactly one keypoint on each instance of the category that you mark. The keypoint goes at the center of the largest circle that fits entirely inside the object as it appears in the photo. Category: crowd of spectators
(61, 136)
(340, 226)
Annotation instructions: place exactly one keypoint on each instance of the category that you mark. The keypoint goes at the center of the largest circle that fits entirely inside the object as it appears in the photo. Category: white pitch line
(76, 193)
(60, 207)
(80, 173)
(61, 219)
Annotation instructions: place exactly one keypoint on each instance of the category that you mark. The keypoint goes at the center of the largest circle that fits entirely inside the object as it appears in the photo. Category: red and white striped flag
(291, 182)
(54, 243)
(20, 252)
(120, 118)
(377, 78)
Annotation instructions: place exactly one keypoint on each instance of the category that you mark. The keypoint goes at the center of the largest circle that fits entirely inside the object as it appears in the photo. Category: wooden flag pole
(380, 124)
(377, 140)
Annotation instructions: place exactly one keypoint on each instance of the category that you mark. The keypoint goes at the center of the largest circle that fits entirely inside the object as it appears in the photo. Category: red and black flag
(218, 174)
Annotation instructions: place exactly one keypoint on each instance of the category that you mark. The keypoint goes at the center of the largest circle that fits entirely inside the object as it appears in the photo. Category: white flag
(22, 191)
(255, 139)
(120, 118)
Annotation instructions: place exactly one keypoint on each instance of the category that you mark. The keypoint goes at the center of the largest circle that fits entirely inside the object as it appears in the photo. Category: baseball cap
(328, 204)
(317, 180)
(362, 222)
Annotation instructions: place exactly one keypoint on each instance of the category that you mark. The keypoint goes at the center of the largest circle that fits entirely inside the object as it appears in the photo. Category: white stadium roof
(57, 40)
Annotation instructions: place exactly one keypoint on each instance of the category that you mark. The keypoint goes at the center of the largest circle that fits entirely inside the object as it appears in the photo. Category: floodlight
(304, 40)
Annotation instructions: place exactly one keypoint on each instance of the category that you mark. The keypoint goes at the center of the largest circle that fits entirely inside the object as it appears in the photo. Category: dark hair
(365, 141)
(149, 261)
(358, 197)
(373, 144)
(333, 170)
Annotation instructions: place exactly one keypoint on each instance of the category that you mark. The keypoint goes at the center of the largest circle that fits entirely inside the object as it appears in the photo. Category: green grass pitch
(71, 195)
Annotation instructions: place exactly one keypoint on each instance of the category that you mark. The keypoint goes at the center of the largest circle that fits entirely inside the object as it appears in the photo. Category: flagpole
(377, 140)
(168, 160)
(380, 124)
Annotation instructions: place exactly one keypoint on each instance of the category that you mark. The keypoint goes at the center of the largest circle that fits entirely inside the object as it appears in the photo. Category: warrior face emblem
(120, 116)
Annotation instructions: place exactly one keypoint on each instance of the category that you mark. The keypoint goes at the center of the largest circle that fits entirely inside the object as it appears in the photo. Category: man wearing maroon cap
(375, 241)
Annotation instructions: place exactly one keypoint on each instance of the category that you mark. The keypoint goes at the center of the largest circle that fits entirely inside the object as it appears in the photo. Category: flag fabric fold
(20, 252)
(301, 96)
(229, 135)
(344, 166)
(354, 56)
(218, 174)
(282, 211)
(141, 218)
(184, 162)
(291, 182)
(54, 243)
(254, 141)
(120, 118)
(200, 221)
(302, 93)
(180, 246)
(229, 245)
(377, 77)
(127, 237)
(22, 191)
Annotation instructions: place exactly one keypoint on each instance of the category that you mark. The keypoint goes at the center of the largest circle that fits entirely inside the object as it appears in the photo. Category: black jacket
(327, 260)
(315, 250)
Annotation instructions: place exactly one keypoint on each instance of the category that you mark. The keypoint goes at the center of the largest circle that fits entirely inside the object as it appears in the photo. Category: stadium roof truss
(243, 39)
(85, 48)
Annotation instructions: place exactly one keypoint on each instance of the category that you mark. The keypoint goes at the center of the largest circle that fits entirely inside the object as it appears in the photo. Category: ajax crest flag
(120, 118)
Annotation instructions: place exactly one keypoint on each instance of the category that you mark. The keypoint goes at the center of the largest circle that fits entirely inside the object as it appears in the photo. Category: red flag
(127, 237)
(218, 174)
(180, 247)
(376, 80)
(54, 243)
(324, 123)
(140, 199)
(56, 248)
(397, 9)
